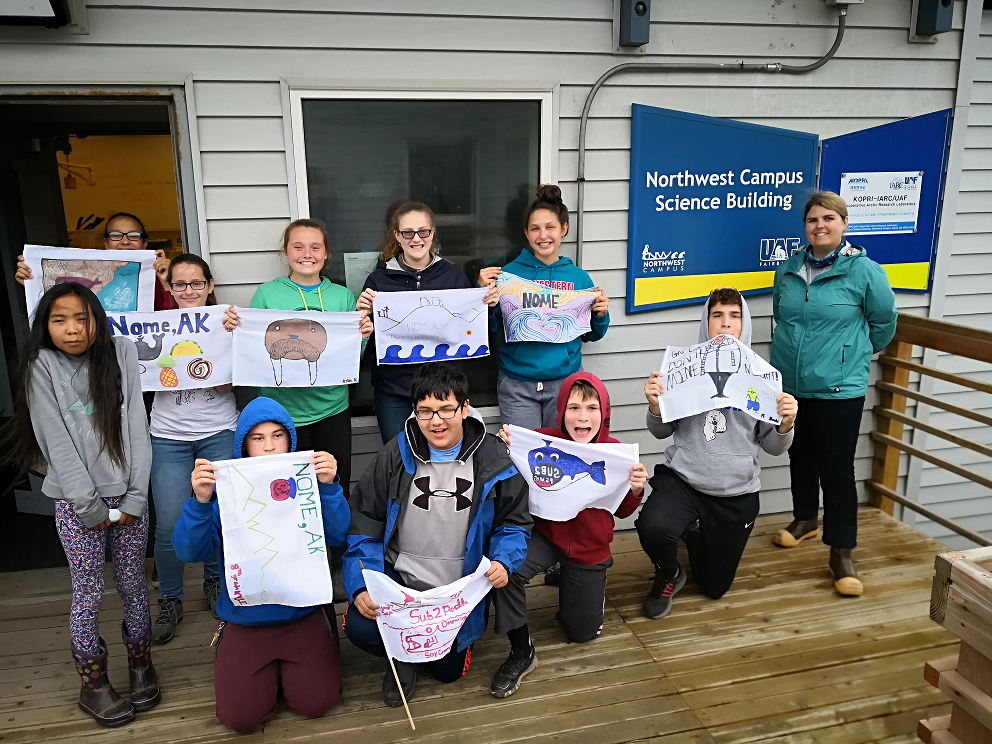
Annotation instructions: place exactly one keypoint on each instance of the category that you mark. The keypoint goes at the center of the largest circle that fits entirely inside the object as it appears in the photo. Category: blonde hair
(827, 200)
(392, 248)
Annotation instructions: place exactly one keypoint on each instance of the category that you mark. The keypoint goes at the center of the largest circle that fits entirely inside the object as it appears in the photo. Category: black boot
(797, 531)
(518, 665)
(97, 697)
(145, 694)
(170, 614)
(552, 577)
(408, 678)
(846, 580)
(658, 603)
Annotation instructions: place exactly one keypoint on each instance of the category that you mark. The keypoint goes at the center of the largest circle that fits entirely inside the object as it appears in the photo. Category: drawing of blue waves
(527, 324)
(392, 355)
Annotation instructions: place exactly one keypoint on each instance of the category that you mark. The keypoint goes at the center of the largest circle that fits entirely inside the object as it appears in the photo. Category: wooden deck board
(779, 659)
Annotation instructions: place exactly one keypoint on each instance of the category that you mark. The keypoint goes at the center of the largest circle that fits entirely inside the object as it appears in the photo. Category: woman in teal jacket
(833, 309)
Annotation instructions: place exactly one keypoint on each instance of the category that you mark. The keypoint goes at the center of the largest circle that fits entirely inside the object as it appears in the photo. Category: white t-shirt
(189, 415)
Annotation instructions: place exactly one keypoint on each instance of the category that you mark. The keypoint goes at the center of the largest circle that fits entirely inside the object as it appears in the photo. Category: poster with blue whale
(566, 477)
(430, 326)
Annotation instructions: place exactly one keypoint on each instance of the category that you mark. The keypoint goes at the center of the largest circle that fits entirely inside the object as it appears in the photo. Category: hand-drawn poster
(285, 348)
(532, 312)
(439, 326)
(178, 349)
(274, 549)
(124, 281)
(566, 477)
(421, 626)
(720, 373)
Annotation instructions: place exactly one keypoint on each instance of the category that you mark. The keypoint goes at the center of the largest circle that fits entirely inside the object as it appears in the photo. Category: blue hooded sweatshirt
(198, 531)
(533, 361)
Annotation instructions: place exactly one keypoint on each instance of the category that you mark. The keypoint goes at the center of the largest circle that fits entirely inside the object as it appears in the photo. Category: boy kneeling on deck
(580, 545)
(707, 492)
(265, 646)
(435, 500)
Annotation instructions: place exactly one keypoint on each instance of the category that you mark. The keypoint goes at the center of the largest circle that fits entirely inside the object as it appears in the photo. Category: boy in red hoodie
(581, 545)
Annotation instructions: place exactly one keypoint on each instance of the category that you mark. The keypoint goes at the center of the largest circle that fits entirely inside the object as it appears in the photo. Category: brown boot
(846, 580)
(145, 694)
(796, 532)
(97, 697)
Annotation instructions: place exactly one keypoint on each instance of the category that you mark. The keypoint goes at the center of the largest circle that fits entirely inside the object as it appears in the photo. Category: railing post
(885, 469)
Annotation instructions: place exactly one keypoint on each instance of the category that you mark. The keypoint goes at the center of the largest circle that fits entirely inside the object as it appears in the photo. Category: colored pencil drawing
(295, 339)
(115, 283)
(418, 327)
(532, 312)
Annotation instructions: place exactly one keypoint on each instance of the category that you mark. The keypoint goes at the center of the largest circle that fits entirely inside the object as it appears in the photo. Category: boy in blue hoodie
(265, 645)
(531, 372)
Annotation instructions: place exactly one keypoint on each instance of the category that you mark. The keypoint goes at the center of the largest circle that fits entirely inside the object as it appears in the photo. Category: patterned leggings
(86, 550)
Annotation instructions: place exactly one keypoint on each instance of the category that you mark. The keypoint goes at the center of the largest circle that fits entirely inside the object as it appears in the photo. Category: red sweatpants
(251, 660)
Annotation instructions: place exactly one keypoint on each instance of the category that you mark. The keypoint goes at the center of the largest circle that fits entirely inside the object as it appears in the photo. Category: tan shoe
(796, 532)
(846, 580)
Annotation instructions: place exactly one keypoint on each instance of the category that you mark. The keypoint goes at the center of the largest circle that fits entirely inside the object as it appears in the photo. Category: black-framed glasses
(181, 286)
(118, 236)
(424, 232)
(444, 413)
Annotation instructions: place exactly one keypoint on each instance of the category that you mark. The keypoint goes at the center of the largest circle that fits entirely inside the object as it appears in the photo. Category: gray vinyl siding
(238, 51)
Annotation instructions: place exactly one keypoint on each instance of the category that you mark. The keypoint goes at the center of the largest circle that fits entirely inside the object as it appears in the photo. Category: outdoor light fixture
(635, 23)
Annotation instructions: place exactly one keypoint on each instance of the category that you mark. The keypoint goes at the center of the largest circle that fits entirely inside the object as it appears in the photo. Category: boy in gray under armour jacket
(707, 491)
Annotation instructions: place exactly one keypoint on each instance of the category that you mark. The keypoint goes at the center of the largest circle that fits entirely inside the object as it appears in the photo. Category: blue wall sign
(713, 203)
(916, 145)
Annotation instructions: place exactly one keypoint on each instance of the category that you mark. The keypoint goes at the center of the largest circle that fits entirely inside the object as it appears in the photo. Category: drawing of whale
(549, 466)
(145, 352)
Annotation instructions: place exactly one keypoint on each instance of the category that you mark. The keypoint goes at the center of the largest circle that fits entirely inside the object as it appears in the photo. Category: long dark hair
(192, 258)
(106, 391)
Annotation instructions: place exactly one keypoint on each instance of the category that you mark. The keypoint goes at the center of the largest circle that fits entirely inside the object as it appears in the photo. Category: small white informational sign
(357, 267)
(884, 203)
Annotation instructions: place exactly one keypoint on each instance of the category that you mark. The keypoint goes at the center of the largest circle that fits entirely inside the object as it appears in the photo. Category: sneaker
(408, 678)
(552, 577)
(170, 614)
(658, 603)
(211, 587)
(518, 665)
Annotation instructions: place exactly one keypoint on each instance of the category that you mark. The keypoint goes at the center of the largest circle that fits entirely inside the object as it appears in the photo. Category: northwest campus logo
(662, 261)
(549, 466)
(776, 250)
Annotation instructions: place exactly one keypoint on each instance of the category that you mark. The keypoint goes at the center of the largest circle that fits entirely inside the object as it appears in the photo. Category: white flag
(274, 549)
(719, 373)
(421, 626)
(123, 281)
(286, 348)
(438, 326)
(178, 349)
(566, 477)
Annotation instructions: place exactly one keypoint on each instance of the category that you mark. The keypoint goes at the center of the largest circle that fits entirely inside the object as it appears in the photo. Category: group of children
(79, 408)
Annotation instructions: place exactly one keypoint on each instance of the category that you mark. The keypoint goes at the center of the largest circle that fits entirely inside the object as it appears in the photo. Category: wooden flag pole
(402, 695)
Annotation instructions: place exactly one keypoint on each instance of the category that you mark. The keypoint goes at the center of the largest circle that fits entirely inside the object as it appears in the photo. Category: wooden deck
(780, 658)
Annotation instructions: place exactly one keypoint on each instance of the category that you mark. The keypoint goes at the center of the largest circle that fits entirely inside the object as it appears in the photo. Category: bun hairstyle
(315, 224)
(548, 197)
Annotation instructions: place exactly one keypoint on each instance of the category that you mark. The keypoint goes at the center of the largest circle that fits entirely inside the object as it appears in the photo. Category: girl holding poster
(531, 372)
(185, 425)
(409, 262)
(79, 408)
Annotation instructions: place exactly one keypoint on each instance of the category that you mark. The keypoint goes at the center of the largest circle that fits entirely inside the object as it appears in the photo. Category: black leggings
(332, 434)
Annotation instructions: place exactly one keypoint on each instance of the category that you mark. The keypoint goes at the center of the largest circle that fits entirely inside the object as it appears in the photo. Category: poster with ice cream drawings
(285, 348)
(178, 349)
(274, 549)
(719, 373)
(123, 281)
(422, 626)
(438, 326)
(532, 312)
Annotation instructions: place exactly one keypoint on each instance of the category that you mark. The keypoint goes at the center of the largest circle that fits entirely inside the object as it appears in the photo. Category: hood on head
(260, 410)
(603, 435)
(473, 432)
(704, 324)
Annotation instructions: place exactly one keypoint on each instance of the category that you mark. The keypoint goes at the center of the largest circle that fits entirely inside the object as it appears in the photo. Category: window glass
(475, 163)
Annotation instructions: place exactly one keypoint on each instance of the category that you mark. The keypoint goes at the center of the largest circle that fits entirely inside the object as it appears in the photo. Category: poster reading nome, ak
(178, 349)
(416, 327)
(286, 348)
(532, 312)
(124, 281)
(274, 549)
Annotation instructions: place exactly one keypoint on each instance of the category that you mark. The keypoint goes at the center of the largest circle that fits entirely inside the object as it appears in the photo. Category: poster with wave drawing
(532, 312)
(438, 326)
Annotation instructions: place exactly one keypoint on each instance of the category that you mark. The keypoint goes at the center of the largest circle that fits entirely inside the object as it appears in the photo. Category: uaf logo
(777, 249)
(909, 183)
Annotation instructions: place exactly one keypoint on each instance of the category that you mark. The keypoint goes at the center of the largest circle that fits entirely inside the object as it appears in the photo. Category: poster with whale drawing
(566, 477)
(178, 349)
(718, 373)
(122, 280)
(532, 312)
(273, 531)
(286, 348)
(438, 326)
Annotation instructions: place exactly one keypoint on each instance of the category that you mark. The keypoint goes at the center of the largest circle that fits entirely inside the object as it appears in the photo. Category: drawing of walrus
(295, 338)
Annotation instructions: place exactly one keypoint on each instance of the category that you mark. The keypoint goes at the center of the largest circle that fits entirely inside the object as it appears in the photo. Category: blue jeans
(391, 411)
(172, 466)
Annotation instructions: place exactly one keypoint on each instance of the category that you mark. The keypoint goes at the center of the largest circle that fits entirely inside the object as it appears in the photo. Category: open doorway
(66, 165)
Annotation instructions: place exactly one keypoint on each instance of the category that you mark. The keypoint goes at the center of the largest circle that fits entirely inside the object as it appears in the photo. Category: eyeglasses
(444, 413)
(181, 286)
(117, 236)
(424, 232)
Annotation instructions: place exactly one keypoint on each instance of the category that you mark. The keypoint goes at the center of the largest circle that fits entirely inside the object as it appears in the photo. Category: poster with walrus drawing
(286, 348)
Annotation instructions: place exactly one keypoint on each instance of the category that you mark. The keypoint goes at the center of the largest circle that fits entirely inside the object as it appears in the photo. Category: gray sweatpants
(581, 592)
(532, 405)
